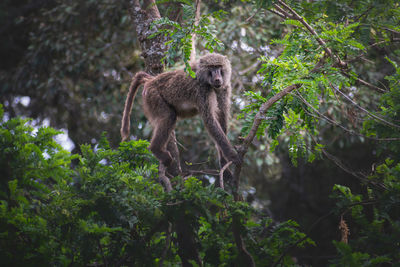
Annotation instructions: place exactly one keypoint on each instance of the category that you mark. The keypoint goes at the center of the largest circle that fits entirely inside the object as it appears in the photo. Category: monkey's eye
(222, 73)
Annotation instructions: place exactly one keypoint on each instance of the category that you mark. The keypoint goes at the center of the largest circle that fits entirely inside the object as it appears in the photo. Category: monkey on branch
(172, 95)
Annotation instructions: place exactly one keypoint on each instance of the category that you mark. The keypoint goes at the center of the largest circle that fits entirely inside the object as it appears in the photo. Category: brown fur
(174, 94)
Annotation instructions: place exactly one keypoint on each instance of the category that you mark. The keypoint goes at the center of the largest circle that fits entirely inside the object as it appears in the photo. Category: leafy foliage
(375, 216)
(71, 76)
(390, 111)
(111, 210)
(305, 61)
(106, 208)
(180, 35)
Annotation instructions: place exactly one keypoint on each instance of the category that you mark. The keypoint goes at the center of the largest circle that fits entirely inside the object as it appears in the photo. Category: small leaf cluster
(180, 35)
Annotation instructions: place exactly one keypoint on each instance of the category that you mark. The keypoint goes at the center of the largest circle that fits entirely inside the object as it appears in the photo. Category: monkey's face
(215, 76)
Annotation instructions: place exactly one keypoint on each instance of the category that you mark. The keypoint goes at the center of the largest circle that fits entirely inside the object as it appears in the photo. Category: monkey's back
(175, 88)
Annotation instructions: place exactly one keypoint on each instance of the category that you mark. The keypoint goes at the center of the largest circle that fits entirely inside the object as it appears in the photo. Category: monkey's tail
(140, 78)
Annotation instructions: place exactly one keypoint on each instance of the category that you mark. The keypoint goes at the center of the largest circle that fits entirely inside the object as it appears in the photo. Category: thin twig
(252, 16)
(206, 172)
(282, 12)
(342, 64)
(391, 30)
(221, 174)
(302, 239)
(175, 203)
(384, 41)
(376, 88)
(364, 13)
(366, 111)
(253, 66)
(276, 13)
(342, 166)
(335, 123)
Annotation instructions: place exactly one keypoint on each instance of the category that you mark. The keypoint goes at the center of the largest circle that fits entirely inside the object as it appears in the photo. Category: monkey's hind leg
(172, 147)
(164, 123)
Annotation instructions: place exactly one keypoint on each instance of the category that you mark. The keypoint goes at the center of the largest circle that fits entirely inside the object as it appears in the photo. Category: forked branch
(285, 11)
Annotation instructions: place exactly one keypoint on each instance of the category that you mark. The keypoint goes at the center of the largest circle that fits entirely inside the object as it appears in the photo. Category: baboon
(173, 95)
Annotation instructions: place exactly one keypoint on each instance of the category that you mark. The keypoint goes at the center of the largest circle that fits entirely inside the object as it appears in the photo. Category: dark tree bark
(153, 50)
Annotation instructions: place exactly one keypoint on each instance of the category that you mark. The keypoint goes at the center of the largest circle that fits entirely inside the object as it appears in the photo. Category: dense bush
(111, 210)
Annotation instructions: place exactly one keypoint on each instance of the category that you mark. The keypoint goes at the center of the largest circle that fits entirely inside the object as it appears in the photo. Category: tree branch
(376, 88)
(299, 18)
(335, 123)
(340, 63)
(242, 149)
(221, 174)
(388, 123)
(263, 109)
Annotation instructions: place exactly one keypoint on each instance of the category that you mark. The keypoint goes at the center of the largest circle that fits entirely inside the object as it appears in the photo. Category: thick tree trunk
(153, 50)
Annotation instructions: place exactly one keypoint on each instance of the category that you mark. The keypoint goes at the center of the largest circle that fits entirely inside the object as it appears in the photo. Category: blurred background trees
(68, 64)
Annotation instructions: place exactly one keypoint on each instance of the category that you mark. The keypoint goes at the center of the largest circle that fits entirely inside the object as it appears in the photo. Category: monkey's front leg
(207, 106)
(223, 99)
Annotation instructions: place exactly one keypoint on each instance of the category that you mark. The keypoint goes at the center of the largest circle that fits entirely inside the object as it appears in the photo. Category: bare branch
(388, 123)
(341, 165)
(335, 123)
(206, 172)
(276, 13)
(360, 56)
(283, 13)
(221, 174)
(376, 88)
(252, 16)
(364, 13)
(392, 31)
(255, 65)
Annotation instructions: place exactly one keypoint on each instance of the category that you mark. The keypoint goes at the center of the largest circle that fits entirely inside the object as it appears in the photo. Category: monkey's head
(214, 70)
